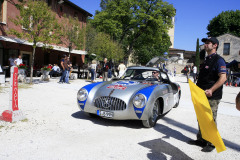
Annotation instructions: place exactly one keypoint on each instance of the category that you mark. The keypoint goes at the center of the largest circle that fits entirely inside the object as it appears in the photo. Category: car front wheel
(177, 103)
(153, 117)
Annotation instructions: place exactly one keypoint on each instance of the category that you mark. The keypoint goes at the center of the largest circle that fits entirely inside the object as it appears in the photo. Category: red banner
(15, 89)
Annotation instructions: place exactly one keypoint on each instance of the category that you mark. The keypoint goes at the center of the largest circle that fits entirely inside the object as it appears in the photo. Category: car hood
(121, 89)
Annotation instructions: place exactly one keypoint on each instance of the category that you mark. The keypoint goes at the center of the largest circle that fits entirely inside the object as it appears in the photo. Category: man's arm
(219, 83)
(15, 62)
(62, 65)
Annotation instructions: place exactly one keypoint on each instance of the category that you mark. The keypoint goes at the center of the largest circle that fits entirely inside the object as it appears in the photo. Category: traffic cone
(236, 85)
(227, 84)
(230, 84)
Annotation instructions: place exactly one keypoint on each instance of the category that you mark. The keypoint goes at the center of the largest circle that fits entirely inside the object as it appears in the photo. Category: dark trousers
(62, 79)
(194, 77)
(92, 74)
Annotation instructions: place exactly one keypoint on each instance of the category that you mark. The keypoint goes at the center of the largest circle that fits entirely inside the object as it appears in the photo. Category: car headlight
(139, 101)
(82, 94)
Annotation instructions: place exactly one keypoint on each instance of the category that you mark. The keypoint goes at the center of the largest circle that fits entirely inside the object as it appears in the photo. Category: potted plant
(46, 69)
(22, 72)
(22, 68)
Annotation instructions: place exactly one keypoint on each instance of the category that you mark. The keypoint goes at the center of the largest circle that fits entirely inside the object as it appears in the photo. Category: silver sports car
(142, 93)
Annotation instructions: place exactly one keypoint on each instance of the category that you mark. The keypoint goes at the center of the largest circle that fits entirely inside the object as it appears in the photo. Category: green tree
(102, 45)
(138, 25)
(225, 22)
(40, 26)
(73, 33)
(197, 58)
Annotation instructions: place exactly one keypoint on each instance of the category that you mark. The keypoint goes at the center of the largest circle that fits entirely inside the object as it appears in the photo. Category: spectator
(121, 69)
(50, 65)
(105, 70)
(64, 69)
(68, 65)
(11, 60)
(110, 69)
(18, 61)
(55, 70)
(187, 72)
(174, 71)
(194, 73)
(93, 68)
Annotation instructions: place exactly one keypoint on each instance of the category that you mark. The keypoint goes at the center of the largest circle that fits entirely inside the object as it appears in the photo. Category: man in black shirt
(211, 78)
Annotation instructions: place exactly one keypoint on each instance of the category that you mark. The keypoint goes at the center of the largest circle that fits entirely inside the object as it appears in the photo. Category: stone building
(229, 47)
(11, 45)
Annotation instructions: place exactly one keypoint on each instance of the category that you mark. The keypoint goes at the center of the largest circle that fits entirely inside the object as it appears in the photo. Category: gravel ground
(55, 129)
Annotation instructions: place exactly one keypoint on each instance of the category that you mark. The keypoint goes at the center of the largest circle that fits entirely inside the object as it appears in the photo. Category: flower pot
(21, 75)
(45, 72)
(45, 75)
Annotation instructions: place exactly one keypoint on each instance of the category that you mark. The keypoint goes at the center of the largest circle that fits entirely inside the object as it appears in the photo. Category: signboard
(13, 114)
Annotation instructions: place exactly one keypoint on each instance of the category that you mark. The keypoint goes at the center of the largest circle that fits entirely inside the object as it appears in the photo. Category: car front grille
(110, 103)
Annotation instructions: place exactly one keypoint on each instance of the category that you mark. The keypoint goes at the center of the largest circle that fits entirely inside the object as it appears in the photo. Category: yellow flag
(205, 117)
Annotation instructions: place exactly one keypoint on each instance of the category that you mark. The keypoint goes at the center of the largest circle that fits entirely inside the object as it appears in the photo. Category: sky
(191, 21)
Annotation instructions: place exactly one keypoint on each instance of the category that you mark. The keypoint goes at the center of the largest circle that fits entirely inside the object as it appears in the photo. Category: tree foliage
(197, 59)
(225, 22)
(102, 45)
(39, 25)
(73, 33)
(139, 25)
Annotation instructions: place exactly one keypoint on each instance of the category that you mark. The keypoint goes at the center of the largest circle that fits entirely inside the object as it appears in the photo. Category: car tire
(176, 105)
(153, 117)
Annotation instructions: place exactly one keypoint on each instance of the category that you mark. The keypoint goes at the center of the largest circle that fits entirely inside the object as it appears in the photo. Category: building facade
(171, 32)
(13, 46)
(229, 47)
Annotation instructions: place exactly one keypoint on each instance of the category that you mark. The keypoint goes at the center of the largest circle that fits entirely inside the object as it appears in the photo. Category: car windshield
(143, 74)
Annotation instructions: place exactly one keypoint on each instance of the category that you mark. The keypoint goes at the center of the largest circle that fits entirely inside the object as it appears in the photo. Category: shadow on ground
(135, 124)
(161, 150)
(227, 143)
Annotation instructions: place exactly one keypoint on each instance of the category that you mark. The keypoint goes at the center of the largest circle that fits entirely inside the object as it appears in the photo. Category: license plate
(106, 114)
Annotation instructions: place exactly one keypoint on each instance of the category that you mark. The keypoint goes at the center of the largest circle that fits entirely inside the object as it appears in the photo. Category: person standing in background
(174, 71)
(93, 68)
(68, 65)
(18, 61)
(187, 72)
(105, 70)
(11, 60)
(64, 67)
(194, 73)
(121, 69)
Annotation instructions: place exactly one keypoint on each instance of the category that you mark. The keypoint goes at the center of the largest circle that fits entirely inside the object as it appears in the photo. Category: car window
(164, 77)
(147, 74)
(138, 74)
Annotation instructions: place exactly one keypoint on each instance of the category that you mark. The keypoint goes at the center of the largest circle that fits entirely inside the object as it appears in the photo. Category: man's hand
(219, 83)
(208, 92)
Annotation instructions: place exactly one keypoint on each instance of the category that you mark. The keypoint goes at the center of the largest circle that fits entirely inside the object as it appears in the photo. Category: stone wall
(234, 47)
